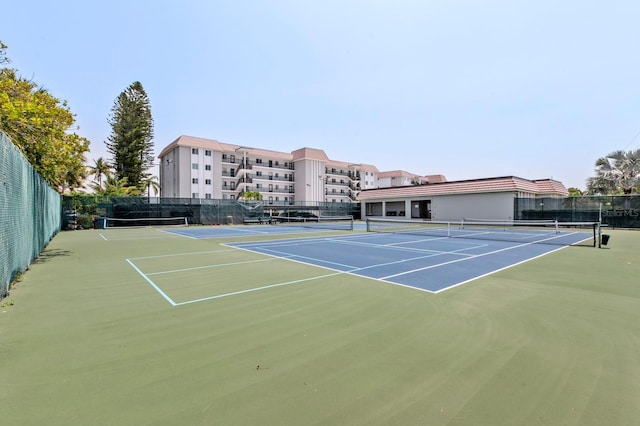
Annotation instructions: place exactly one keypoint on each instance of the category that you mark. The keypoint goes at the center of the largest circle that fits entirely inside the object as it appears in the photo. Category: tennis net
(337, 223)
(112, 222)
(559, 233)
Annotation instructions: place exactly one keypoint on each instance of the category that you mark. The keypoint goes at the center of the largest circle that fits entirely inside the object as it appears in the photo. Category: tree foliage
(131, 139)
(99, 169)
(574, 192)
(617, 173)
(39, 125)
(251, 196)
(115, 186)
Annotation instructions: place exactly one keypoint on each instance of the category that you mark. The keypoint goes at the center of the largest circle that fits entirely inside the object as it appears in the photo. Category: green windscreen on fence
(29, 213)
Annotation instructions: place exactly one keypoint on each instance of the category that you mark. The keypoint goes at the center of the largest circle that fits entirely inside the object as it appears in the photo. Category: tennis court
(319, 327)
(427, 259)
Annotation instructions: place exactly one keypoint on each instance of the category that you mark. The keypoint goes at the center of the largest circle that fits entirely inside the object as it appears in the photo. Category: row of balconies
(248, 163)
(247, 188)
(350, 174)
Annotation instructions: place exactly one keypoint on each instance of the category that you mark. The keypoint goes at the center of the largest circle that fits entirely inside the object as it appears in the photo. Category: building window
(207, 152)
(224, 157)
(232, 186)
(194, 180)
(194, 150)
(194, 195)
(207, 181)
(258, 186)
(232, 158)
(270, 200)
(207, 196)
(194, 166)
(224, 184)
(207, 166)
(258, 160)
(258, 173)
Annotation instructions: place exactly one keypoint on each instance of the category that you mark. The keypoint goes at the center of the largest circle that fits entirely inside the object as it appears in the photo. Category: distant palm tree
(99, 169)
(618, 172)
(115, 187)
(151, 182)
(73, 179)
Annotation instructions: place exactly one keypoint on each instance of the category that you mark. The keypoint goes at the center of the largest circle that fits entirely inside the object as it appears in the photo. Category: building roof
(309, 154)
(195, 142)
(397, 173)
(497, 184)
(305, 153)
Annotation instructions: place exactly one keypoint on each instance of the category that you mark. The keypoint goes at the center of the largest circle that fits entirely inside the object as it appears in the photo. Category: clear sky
(467, 89)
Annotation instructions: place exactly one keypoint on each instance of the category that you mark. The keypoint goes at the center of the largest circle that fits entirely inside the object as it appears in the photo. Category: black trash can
(605, 239)
(101, 222)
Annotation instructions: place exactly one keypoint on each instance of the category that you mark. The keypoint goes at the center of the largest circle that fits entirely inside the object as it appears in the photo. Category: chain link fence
(84, 210)
(29, 213)
(615, 211)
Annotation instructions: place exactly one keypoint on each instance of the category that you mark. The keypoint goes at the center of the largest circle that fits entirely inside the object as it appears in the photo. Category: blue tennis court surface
(432, 264)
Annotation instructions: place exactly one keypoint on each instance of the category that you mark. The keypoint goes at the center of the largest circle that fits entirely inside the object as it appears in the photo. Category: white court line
(180, 254)
(289, 256)
(497, 270)
(195, 268)
(103, 237)
(158, 289)
(465, 259)
(234, 293)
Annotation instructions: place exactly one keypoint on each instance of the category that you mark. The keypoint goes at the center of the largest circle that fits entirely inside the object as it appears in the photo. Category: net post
(597, 234)
(556, 226)
(368, 224)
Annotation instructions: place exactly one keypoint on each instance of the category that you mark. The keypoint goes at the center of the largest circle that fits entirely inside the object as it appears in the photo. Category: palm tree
(116, 187)
(151, 182)
(99, 169)
(617, 172)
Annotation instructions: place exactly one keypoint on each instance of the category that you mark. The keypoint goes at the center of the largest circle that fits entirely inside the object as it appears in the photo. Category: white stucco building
(483, 199)
(192, 167)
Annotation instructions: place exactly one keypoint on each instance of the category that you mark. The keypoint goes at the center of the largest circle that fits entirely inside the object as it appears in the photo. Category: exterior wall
(187, 171)
(369, 180)
(489, 206)
(484, 206)
(309, 183)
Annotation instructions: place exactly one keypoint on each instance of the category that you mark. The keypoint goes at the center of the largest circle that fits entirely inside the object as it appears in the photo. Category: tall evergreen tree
(131, 139)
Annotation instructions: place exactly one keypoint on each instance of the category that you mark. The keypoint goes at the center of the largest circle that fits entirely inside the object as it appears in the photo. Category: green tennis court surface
(89, 341)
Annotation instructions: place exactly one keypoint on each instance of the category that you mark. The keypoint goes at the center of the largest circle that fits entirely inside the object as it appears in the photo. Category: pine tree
(131, 139)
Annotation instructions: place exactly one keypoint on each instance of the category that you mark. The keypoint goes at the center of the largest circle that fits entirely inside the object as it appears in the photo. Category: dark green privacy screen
(29, 213)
